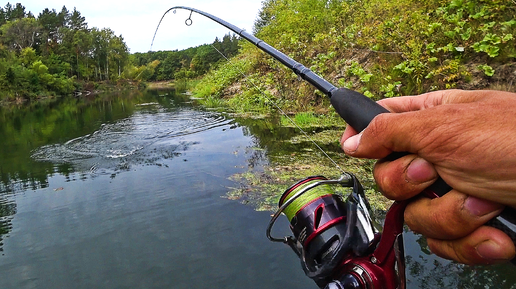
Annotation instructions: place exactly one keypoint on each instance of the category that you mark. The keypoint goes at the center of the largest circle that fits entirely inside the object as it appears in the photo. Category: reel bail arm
(345, 180)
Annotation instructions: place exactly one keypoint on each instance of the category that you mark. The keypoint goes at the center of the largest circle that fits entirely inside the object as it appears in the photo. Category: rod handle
(358, 111)
(355, 108)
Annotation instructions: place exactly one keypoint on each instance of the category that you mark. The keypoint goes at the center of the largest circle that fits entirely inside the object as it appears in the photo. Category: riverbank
(84, 89)
(262, 187)
(160, 85)
(292, 158)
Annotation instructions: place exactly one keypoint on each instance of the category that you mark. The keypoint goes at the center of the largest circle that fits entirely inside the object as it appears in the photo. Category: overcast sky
(136, 20)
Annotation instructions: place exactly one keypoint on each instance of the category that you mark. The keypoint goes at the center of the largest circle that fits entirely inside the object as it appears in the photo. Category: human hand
(467, 138)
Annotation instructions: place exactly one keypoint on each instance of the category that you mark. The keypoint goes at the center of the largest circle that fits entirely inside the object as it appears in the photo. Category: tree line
(56, 53)
(52, 53)
(184, 64)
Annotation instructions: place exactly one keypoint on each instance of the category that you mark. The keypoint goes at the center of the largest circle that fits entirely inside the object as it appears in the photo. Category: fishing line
(282, 112)
(318, 82)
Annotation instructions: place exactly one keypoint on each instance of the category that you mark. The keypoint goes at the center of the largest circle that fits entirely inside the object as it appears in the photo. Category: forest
(184, 64)
(380, 48)
(55, 54)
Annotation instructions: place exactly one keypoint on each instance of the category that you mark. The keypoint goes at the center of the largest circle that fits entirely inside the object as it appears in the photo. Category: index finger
(431, 99)
(403, 104)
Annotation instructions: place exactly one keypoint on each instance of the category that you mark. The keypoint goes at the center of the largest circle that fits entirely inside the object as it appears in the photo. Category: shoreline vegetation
(379, 48)
(55, 54)
(262, 187)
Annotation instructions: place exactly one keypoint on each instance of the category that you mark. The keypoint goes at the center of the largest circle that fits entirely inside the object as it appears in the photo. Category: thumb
(368, 143)
(350, 146)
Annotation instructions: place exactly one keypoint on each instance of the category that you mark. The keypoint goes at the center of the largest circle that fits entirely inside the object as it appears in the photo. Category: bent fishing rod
(337, 241)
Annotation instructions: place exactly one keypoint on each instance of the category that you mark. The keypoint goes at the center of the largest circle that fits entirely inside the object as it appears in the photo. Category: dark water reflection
(125, 192)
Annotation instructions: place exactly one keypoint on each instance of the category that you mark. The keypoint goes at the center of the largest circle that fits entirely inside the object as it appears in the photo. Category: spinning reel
(338, 243)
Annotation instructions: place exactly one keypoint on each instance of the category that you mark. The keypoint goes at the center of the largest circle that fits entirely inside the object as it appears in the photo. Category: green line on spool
(306, 198)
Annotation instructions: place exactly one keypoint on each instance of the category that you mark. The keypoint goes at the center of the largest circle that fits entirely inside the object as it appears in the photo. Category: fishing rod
(339, 244)
(355, 108)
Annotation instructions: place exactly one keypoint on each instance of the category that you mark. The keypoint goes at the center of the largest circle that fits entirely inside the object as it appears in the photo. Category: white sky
(136, 20)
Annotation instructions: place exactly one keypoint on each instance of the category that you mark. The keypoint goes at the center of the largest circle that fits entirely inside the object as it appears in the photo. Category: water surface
(127, 191)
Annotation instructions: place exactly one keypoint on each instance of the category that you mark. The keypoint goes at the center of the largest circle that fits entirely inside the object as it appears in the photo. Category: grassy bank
(381, 49)
(262, 187)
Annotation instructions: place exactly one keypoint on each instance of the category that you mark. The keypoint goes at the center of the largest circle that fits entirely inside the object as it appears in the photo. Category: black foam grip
(355, 108)
(358, 111)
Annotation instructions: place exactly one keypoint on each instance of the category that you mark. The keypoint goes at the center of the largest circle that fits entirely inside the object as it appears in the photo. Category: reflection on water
(428, 271)
(125, 192)
(7, 211)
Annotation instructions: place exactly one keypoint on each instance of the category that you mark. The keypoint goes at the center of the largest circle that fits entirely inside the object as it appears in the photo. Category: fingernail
(490, 250)
(479, 207)
(351, 144)
(420, 171)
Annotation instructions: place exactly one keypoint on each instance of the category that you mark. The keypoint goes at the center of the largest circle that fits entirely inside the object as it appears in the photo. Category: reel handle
(358, 111)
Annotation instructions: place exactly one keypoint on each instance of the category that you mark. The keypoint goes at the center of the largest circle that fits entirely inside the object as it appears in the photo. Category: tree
(169, 66)
(204, 58)
(265, 16)
(46, 55)
(145, 73)
(77, 21)
(229, 45)
(3, 16)
(120, 53)
(14, 12)
(50, 24)
(82, 41)
(20, 33)
(63, 17)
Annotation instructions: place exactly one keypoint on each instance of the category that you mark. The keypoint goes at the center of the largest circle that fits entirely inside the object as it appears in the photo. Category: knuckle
(391, 179)
(450, 222)
(378, 125)
(446, 224)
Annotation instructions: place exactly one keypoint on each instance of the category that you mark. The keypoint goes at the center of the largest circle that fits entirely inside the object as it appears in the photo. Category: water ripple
(137, 140)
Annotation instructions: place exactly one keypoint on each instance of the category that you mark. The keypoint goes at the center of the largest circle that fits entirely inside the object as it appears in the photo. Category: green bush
(384, 48)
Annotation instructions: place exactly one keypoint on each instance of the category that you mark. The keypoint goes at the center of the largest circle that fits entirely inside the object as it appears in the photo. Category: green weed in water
(310, 119)
(263, 188)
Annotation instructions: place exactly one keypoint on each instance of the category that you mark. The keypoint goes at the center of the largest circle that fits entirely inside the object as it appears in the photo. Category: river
(128, 191)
